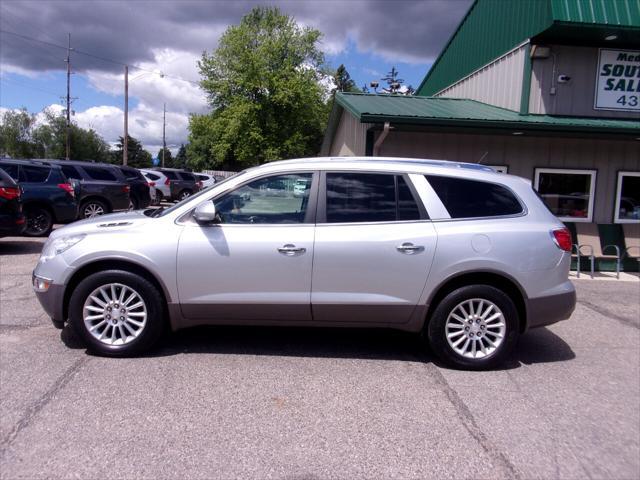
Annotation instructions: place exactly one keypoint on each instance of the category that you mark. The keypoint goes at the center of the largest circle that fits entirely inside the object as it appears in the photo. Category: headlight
(58, 245)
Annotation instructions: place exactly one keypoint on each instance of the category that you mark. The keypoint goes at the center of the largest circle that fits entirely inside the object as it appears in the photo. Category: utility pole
(164, 126)
(125, 142)
(68, 139)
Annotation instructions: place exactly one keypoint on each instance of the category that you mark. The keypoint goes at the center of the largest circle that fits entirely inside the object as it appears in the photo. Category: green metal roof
(491, 28)
(455, 112)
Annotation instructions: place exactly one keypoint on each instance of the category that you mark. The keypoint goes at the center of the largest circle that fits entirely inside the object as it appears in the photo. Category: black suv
(140, 193)
(183, 184)
(12, 222)
(103, 187)
(47, 195)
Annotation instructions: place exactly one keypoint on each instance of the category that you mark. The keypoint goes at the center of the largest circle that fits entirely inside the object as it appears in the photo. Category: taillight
(562, 238)
(126, 188)
(9, 193)
(199, 185)
(167, 182)
(67, 187)
(151, 184)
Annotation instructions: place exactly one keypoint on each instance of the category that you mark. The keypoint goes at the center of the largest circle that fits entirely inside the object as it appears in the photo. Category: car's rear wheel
(39, 222)
(184, 194)
(117, 313)
(93, 208)
(474, 327)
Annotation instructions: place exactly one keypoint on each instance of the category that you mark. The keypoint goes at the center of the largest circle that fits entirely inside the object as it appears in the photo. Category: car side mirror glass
(205, 214)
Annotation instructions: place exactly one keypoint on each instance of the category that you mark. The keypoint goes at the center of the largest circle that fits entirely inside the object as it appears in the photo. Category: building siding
(350, 137)
(575, 98)
(499, 83)
(524, 154)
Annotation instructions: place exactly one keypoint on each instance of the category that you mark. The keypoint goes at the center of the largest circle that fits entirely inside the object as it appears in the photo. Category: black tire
(133, 203)
(39, 221)
(184, 194)
(437, 335)
(150, 333)
(93, 205)
(159, 197)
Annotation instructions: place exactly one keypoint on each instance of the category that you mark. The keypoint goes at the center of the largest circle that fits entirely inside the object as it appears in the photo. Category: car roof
(81, 163)
(27, 161)
(377, 161)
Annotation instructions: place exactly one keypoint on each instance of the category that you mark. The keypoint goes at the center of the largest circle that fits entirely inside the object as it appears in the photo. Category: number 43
(628, 100)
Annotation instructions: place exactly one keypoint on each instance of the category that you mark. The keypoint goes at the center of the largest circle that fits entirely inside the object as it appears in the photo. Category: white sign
(618, 80)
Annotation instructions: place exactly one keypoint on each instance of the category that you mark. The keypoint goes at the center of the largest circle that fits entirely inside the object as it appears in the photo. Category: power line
(98, 57)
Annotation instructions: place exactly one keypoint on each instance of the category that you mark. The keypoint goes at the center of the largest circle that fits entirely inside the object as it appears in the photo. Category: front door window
(270, 200)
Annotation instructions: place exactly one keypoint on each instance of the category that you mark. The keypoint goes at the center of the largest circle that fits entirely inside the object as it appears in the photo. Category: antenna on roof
(483, 157)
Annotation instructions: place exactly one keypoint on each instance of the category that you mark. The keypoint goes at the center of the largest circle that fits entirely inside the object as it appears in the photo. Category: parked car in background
(161, 183)
(140, 196)
(182, 184)
(206, 179)
(469, 257)
(12, 221)
(103, 187)
(47, 195)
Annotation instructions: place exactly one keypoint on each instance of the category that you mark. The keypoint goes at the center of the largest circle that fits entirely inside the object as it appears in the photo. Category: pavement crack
(609, 313)
(35, 408)
(469, 423)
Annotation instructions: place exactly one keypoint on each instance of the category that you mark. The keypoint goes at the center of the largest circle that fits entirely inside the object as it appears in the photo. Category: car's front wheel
(474, 327)
(184, 194)
(117, 313)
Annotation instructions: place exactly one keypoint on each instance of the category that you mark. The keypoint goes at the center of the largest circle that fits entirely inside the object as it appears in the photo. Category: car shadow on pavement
(537, 346)
(20, 247)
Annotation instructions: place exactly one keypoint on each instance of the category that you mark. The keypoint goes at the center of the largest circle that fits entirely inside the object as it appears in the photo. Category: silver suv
(468, 257)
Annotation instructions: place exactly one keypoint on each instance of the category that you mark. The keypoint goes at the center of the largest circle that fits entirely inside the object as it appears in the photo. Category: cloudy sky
(162, 40)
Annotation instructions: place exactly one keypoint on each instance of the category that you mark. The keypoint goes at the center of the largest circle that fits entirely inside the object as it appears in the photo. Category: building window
(499, 168)
(568, 193)
(628, 198)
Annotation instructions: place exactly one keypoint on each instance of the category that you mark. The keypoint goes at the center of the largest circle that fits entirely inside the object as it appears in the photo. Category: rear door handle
(291, 250)
(409, 248)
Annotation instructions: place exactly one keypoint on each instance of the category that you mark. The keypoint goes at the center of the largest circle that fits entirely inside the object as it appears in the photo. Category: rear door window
(465, 198)
(33, 174)
(369, 197)
(99, 173)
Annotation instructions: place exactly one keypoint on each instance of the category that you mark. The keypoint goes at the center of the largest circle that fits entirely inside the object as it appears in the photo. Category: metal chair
(589, 246)
(632, 240)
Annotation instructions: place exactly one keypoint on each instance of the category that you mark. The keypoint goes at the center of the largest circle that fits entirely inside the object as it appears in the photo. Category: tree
(181, 158)
(168, 160)
(263, 85)
(137, 156)
(22, 137)
(343, 80)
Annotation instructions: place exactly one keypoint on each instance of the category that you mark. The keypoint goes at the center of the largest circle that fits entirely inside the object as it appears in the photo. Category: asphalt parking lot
(312, 404)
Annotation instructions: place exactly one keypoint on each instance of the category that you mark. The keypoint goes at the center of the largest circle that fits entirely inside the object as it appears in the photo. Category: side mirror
(205, 214)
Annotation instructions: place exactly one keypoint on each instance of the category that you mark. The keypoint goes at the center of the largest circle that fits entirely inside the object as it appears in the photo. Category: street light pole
(125, 141)
(164, 125)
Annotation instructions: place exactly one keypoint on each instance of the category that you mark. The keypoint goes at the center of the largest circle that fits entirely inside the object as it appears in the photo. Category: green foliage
(263, 85)
(137, 156)
(20, 137)
(343, 80)
(168, 159)
(181, 158)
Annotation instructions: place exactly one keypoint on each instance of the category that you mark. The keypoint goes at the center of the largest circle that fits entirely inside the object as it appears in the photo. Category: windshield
(161, 212)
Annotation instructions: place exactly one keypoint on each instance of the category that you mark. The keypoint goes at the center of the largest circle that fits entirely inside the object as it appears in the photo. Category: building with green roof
(545, 89)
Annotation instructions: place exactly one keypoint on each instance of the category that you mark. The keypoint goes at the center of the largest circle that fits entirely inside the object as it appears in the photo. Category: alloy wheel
(475, 328)
(93, 210)
(115, 314)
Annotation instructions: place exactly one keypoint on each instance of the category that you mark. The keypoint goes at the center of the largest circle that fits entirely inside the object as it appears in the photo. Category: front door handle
(409, 248)
(291, 250)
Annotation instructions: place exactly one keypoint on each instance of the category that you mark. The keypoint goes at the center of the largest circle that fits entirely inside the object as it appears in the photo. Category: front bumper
(52, 302)
(550, 309)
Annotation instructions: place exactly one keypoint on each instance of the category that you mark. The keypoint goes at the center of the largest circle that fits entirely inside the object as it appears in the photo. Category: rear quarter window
(187, 176)
(12, 170)
(99, 173)
(71, 172)
(152, 176)
(33, 174)
(465, 198)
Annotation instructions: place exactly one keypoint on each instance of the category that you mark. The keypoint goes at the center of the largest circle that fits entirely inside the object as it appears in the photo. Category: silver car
(469, 258)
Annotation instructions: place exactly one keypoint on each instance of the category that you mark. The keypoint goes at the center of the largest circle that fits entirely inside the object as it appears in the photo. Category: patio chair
(589, 246)
(632, 240)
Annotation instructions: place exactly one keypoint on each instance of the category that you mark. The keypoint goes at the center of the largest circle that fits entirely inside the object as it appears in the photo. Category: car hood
(110, 222)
